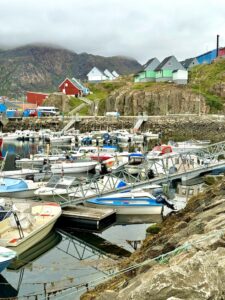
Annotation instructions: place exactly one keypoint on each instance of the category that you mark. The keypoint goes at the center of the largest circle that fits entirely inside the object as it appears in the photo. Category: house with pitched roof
(189, 63)
(115, 74)
(148, 72)
(168, 69)
(73, 87)
(109, 74)
(96, 75)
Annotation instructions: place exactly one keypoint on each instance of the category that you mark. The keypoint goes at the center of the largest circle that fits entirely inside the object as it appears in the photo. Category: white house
(115, 74)
(180, 76)
(96, 75)
(109, 74)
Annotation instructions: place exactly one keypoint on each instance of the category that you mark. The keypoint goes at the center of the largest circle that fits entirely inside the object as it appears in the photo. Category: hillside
(42, 68)
(204, 93)
(209, 81)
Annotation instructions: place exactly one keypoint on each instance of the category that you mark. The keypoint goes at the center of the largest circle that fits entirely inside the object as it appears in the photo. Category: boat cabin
(135, 159)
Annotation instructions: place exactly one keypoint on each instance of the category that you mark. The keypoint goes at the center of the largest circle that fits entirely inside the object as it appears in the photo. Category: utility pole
(217, 45)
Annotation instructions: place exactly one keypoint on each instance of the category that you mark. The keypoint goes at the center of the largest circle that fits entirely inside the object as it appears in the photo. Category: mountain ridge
(42, 68)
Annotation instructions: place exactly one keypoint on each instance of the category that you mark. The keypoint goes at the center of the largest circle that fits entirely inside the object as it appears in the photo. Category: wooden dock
(86, 218)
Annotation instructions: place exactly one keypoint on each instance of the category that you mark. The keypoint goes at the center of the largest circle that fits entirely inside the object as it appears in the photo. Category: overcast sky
(141, 29)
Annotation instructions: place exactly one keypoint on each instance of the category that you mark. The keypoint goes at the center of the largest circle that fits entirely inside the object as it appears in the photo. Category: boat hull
(53, 197)
(127, 206)
(73, 168)
(34, 238)
(19, 194)
(5, 264)
(121, 210)
(51, 240)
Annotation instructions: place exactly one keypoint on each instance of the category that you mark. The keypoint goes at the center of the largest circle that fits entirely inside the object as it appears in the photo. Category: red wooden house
(70, 87)
(36, 98)
(222, 52)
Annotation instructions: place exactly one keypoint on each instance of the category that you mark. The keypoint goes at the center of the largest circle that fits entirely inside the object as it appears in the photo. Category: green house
(139, 77)
(164, 71)
(148, 73)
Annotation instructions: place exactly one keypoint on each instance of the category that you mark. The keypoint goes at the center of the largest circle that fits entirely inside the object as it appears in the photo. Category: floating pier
(86, 218)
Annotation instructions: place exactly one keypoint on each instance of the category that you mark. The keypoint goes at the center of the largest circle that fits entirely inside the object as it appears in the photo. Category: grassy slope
(202, 80)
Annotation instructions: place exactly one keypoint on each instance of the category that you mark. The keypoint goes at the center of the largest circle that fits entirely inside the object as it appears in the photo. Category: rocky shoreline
(194, 269)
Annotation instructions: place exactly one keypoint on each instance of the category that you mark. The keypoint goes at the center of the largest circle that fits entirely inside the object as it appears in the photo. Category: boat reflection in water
(90, 244)
(138, 219)
(7, 291)
(50, 241)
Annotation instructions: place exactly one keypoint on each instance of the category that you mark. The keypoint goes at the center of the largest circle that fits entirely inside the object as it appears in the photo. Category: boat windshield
(59, 181)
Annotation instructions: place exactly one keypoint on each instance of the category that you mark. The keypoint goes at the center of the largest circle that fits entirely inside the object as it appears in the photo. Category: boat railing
(19, 227)
(4, 214)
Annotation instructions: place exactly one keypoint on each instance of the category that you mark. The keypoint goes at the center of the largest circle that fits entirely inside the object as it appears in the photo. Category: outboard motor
(30, 177)
(104, 169)
(45, 161)
(151, 174)
(163, 200)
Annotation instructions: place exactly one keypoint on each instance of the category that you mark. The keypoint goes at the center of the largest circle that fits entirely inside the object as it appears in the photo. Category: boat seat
(4, 226)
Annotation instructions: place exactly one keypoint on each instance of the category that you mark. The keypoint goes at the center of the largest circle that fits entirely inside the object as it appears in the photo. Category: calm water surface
(61, 261)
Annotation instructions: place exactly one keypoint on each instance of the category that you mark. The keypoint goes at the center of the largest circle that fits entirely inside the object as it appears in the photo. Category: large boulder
(59, 100)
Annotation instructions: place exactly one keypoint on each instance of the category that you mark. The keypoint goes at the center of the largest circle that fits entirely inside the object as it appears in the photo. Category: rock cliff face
(163, 100)
(219, 89)
(194, 269)
(59, 100)
(42, 68)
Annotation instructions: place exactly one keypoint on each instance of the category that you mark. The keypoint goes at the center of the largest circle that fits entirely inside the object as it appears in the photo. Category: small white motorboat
(128, 205)
(28, 224)
(60, 139)
(57, 189)
(38, 160)
(190, 145)
(136, 163)
(6, 257)
(73, 167)
(23, 173)
(136, 203)
(18, 188)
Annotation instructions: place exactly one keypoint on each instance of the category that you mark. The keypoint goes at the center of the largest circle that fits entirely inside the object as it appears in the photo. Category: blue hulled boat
(6, 256)
(128, 205)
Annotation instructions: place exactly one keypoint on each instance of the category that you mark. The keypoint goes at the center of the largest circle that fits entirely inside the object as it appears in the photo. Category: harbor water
(65, 264)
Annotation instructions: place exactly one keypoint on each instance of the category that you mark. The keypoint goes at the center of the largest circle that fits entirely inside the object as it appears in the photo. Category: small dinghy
(128, 206)
(141, 203)
(18, 188)
(26, 224)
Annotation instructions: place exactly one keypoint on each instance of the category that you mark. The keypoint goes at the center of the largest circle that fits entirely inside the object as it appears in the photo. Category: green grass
(142, 85)
(202, 80)
(74, 102)
(84, 111)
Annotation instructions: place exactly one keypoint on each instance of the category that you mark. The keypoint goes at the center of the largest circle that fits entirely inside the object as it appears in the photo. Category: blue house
(206, 58)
